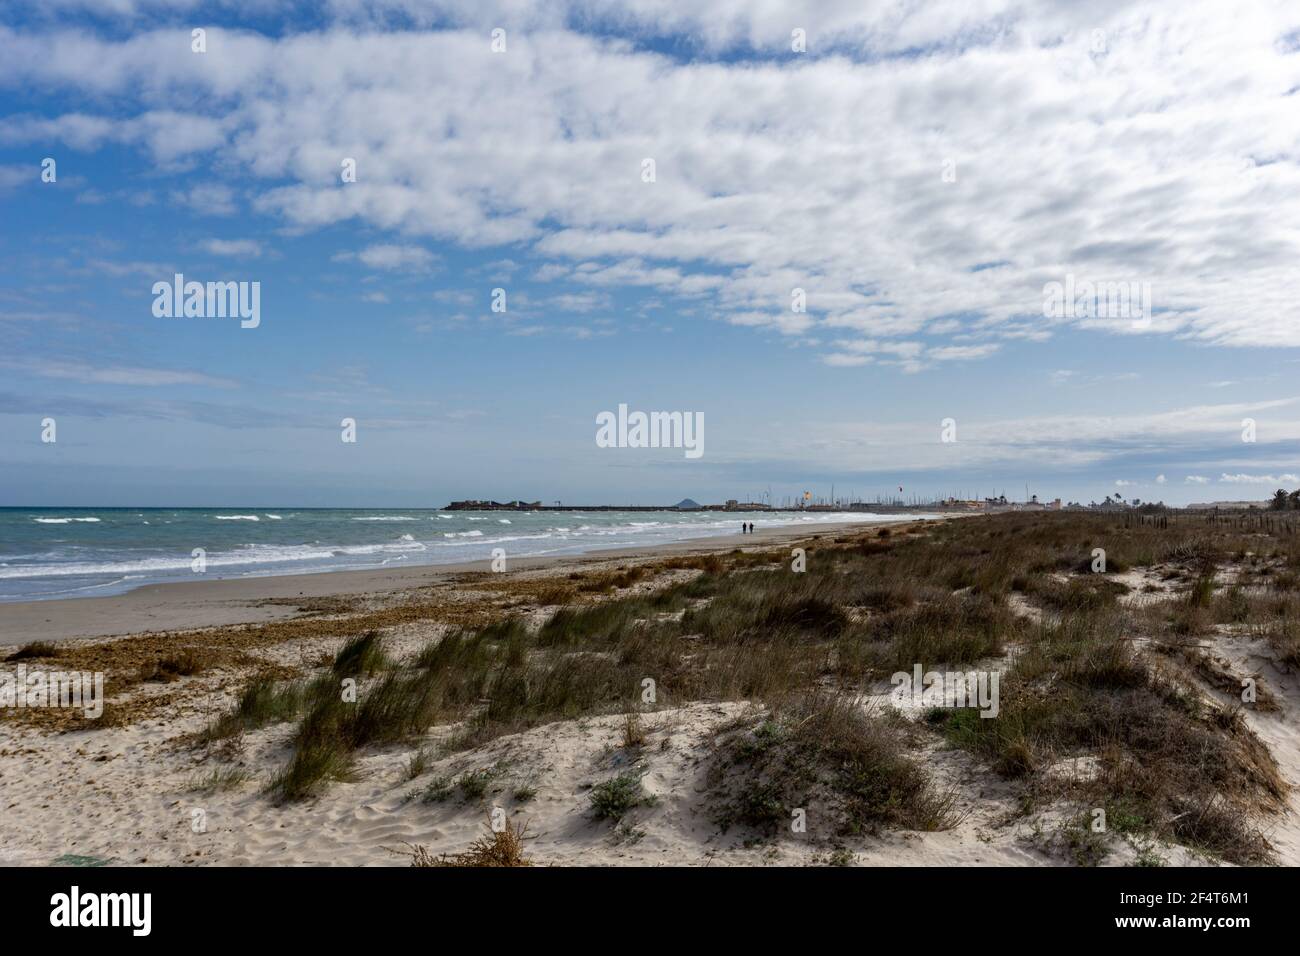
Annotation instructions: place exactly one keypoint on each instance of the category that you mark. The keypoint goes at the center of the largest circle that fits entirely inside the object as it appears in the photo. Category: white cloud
(960, 352)
(881, 28)
(11, 177)
(1196, 480)
(1167, 159)
(550, 272)
(170, 136)
(580, 302)
(1068, 442)
(207, 199)
(117, 374)
(118, 269)
(390, 257)
(1243, 479)
(840, 360)
(235, 248)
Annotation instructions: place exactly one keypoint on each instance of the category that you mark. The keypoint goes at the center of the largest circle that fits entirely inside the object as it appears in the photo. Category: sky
(830, 229)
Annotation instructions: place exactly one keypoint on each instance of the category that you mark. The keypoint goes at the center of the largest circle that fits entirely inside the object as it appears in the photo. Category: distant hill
(686, 504)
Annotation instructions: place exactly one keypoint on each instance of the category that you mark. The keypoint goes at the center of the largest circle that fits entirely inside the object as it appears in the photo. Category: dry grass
(1216, 673)
(129, 662)
(1175, 763)
(618, 580)
(495, 848)
(172, 667)
(1167, 755)
(847, 769)
(634, 733)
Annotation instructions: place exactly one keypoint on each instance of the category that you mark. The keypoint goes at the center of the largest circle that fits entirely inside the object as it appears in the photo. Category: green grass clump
(438, 790)
(400, 705)
(263, 701)
(360, 656)
(474, 784)
(218, 780)
(952, 630)
(613, 799)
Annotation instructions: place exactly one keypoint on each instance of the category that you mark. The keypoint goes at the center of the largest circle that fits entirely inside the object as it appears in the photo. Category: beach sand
(130, 794)
(219, 602)
(136, 792)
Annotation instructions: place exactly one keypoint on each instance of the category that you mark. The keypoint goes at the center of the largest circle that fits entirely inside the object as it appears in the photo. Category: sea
(51, 553)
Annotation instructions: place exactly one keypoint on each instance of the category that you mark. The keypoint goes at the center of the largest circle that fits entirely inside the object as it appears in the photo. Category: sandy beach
(219, 602)
(157, 781)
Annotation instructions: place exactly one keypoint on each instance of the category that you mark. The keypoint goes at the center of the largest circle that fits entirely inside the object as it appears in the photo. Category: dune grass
(362, 655)
(1189, 770)
(219, 780)
(846, 769)
(1177, 763)
(263, 701)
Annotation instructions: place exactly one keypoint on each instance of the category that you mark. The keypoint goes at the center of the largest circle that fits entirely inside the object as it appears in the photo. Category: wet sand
(214, 603)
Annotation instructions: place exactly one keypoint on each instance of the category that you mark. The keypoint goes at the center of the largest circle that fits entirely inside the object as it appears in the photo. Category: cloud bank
(917, 176)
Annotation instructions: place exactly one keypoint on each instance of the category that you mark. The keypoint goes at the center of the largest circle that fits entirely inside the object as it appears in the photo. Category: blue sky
(1112, 142)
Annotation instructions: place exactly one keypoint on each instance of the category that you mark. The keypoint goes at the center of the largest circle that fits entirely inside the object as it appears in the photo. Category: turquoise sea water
(81, 552)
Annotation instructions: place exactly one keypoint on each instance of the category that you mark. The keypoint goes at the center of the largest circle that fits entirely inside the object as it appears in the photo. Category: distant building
(1033, 504)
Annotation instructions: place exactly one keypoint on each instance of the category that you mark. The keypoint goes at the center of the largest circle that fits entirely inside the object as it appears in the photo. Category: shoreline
(187, 605)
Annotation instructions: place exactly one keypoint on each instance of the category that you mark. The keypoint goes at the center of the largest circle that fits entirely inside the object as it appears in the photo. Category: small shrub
(1201, 594)
(438, 790)
(613, 799)
(1233, 606)
(633, 733)
(495, 848)
(474, 784)
(417, 763)
(824, 749)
